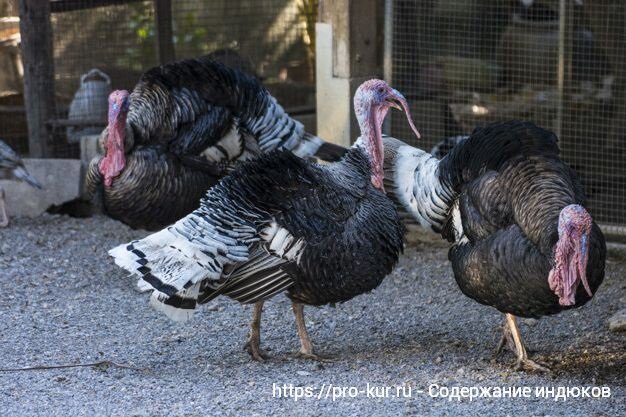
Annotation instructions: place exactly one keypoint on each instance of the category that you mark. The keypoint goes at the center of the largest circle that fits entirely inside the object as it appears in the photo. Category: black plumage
(351, 233)
(280, 223)
(498, 197)
(194, 118)
(444, 147)
(510, 216)
(154, 189)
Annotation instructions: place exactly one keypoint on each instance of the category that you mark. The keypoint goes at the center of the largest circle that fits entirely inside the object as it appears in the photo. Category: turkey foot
(253, 345)
(4, 219)
(512, 338)
(306, 347)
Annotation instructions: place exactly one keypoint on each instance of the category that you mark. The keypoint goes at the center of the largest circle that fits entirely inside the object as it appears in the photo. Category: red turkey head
(372, 101)
(114, 160)
(571, 254)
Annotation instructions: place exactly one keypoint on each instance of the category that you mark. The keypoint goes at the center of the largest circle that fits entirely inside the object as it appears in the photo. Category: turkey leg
(4, 219)
(253, 345)
(513, 339)
(306, 347)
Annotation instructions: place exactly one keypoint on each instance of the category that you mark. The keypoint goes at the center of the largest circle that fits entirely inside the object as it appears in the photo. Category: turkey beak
(397, 101)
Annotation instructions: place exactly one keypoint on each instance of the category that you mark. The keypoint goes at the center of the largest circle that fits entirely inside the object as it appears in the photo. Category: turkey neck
(370, 121)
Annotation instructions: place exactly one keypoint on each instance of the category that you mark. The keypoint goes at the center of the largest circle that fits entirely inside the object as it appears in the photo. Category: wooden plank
(358, 36)
(12, 109)
(37, 58)
(60, 6)
(366, 38)
(164, 32)
(337, 14)
(357, 48)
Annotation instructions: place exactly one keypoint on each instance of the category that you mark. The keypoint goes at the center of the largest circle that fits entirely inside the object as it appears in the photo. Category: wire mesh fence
(559, 63)
(12, 116)
(121, 39)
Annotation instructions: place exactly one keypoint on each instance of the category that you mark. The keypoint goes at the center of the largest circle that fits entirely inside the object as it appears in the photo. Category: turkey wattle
(321, 233)
(181, 129)
(522, 239)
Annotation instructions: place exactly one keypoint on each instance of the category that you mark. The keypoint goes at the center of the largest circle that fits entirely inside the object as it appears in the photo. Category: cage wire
(558, 63)
(12, 116)
(274, 39)
(461, 64)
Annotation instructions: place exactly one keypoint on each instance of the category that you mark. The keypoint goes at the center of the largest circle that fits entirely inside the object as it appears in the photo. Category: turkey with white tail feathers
(522, 240)
(321, 233)
(182, 128)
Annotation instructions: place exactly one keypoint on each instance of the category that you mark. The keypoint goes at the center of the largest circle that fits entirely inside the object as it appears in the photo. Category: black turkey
(182, 128)
(444, 147)
(322, 233)
(522, 239)
(12, 168)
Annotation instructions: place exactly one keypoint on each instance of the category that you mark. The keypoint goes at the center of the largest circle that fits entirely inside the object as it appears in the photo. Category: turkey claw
(525, 364)
(255, 351)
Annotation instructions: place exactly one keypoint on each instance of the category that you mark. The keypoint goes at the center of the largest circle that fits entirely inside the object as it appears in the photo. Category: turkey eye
(381, 90)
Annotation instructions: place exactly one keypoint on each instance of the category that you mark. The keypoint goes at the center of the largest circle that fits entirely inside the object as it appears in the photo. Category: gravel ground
(64, 302)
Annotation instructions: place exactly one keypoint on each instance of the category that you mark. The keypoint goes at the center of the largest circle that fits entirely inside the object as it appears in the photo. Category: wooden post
(38, 62)
(357, 55)
(164, 32)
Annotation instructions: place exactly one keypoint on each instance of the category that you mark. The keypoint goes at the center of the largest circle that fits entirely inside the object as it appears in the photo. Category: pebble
(530, 322)
(56, 313)
(617, 322)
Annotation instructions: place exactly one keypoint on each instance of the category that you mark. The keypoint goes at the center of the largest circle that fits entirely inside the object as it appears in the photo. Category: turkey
(444, 147)
(180, 130)
(522, 240)
(322, 233)
(12, 168)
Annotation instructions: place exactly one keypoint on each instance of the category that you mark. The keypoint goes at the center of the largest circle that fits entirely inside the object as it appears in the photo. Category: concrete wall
(349, 50)
(60, 179)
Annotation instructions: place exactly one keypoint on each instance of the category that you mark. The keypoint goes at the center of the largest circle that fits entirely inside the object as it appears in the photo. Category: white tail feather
(157, 301)
(171, 259)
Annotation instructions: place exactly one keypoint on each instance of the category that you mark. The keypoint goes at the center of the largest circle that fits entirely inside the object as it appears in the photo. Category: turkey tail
(164, 260)
(21, 174)
(172, 267)
(179, 307)
(314, 146)
(444, 147)
(491, 146)
(165, 269)
(175, 262)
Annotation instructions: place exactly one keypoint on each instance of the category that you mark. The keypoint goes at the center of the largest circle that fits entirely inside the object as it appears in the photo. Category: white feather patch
(282, 243)
(231, 144)
(175, 314)
(143, 286)
(307, 146)
(457, 224)
(170, 258)
(416, 186)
